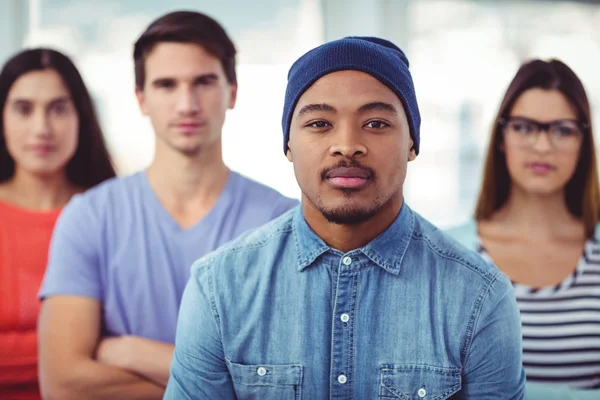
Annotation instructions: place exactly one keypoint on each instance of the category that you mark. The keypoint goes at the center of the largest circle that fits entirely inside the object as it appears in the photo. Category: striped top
(561, 325)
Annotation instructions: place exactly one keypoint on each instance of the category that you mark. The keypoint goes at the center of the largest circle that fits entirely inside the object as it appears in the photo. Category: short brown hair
(581, 192)
(185, 27)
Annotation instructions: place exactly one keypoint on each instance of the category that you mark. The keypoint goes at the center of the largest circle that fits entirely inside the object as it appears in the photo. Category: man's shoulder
(114, 196)
(260, 242)
(119, 187)
(452, 251)
(109, 192)
(258, 193)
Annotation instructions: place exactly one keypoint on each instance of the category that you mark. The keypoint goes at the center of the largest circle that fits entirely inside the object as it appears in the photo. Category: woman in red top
(51, 147)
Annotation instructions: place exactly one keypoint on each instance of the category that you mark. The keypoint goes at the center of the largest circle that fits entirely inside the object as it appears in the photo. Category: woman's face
(542, 141)
(41, 125)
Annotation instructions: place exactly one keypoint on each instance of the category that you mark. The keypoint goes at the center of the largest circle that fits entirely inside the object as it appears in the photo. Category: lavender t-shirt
(116, 243)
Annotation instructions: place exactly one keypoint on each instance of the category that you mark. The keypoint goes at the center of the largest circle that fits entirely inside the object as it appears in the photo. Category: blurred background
(463, 54)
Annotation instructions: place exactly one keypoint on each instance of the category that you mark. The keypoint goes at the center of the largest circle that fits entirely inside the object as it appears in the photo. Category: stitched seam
(487, 276)
(474, 319)
(213, 304)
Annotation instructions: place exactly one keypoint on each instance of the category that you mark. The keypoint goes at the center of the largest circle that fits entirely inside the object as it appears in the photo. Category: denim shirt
(278, 314)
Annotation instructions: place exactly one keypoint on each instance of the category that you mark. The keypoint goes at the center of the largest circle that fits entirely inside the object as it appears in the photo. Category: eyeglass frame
(543, 126)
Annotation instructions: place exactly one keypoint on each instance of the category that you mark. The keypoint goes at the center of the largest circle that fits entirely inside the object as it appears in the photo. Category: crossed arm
(148, 358)
(74, 363)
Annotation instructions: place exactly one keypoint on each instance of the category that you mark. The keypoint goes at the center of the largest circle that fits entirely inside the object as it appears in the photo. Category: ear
(288, 154)
(233, 95)
(412, 154)
(139, 94)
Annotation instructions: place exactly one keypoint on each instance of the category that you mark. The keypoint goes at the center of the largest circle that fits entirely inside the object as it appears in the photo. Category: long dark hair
(582, 194)
(91, 163)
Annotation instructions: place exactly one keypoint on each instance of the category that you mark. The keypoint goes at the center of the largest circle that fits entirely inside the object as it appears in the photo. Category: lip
(541, 168)
(348, 178)
(42, 149)
(189, 126)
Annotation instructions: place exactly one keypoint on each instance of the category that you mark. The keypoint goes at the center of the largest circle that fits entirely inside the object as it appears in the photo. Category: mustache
(346, 164)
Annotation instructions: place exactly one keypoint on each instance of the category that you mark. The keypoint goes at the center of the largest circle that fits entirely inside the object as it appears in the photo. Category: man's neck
(38, 192)
(537, 216)
(349, 237)
(178, 178)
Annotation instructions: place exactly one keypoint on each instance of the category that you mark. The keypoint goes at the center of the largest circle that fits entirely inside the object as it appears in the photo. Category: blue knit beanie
(377, 57)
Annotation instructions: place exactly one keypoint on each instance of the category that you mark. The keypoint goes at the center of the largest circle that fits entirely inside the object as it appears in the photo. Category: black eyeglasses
(564, 134)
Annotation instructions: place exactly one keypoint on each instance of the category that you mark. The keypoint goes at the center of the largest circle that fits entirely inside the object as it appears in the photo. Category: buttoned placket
(344, 315)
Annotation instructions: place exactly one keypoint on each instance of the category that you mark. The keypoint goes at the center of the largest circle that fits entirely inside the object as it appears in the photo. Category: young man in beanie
(121, 252)
(353, 295)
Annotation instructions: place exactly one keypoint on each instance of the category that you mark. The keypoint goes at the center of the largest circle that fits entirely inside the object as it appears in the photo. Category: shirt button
(347, 260)
(342, 379)
(345, 317)
(261, 371)
(422, 392)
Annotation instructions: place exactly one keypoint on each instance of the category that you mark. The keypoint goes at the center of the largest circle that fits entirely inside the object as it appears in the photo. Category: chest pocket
(266, 381)
(418, 382)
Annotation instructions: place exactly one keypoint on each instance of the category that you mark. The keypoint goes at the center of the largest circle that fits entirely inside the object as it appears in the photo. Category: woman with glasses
(536, 219)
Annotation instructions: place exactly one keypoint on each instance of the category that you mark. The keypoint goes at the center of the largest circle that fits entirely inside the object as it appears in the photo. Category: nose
(41, 124)
(188, 102)
(347, 142)
(543, 143)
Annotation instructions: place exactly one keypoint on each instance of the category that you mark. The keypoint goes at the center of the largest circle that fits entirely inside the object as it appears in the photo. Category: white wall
(463, 54)
(13, 26)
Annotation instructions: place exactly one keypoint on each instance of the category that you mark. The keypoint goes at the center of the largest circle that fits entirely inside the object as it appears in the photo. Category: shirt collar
(387, 250)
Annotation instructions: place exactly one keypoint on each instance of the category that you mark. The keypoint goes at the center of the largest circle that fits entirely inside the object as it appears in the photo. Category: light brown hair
(582, 194)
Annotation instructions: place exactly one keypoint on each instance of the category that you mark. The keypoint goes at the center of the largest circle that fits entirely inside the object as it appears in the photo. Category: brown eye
(23, 108)
(59, 109)
(565, 130)
(521, 127)
(376, 124)
(319, 124)
(165, 84)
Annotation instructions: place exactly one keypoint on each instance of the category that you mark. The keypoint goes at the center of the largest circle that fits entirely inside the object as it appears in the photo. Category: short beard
(348, 215)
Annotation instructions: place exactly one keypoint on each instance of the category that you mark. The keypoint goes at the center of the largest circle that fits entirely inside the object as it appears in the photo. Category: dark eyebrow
(202, 79)
(20, 100)
(316, 107)
(535, 121)
(378, 106)
(158, 82)
(58, 100)
(206, 78)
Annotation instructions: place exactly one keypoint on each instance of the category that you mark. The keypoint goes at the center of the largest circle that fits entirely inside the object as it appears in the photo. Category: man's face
(350, 144)
(186, 95)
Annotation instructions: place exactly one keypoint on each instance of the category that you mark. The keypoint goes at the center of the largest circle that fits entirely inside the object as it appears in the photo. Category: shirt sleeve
(199, 369)
(494, 364)
(73, 261)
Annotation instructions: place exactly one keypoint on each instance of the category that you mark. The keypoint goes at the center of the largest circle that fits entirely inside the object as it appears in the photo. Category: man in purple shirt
(121, 252)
